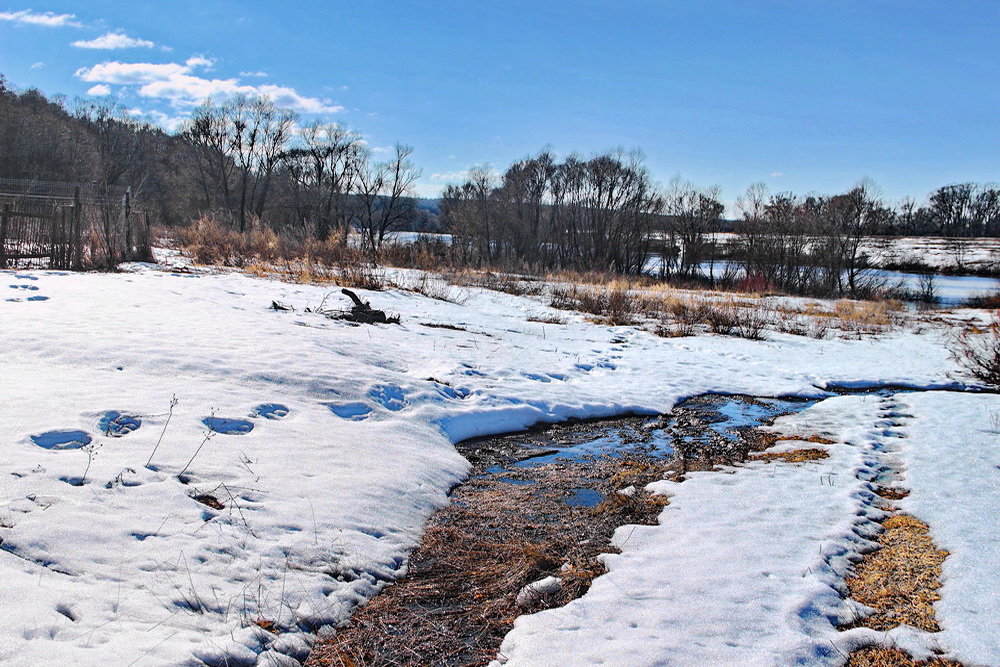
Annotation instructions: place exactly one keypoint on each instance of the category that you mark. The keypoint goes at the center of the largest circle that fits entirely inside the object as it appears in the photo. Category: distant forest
(245, 162)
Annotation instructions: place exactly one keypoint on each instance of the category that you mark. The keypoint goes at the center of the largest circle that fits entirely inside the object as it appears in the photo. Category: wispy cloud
(450, 176)
(100, 90)
(45, 19)
(776, 174)
(182, 85)
(257, 73)
(38, 65)
(114, 40)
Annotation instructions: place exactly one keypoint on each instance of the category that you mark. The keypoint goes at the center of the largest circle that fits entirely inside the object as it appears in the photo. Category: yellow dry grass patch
(893, 657)
(793, 456)
(818, 439)
(767, 439)
(900, 580)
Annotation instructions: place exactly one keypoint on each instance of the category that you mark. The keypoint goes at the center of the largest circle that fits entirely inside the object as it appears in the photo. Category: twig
(173, 404)
(208, 436)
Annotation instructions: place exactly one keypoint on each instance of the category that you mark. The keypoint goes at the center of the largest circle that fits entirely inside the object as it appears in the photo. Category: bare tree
(384, 196)
(239, 145)
(324, 171)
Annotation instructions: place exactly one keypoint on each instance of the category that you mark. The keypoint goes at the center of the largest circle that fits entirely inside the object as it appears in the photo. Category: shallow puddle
(700, 431)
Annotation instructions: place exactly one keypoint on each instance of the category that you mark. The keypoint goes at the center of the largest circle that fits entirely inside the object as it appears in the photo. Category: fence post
(77, 231)
(128, 226)
(53, 241)
(4, 216)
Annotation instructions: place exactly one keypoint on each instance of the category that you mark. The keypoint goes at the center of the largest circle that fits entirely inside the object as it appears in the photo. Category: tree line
(242, 161)
(606, 214)
(245, 162)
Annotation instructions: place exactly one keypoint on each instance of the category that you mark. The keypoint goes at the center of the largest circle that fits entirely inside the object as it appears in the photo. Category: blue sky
(805, 96)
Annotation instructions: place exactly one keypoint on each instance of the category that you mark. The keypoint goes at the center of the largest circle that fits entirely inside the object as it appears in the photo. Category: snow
(952, 461)
(329, 445)
(939, 252)
(538, 590)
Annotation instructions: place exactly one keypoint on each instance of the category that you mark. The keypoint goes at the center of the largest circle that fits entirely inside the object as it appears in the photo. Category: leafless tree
(324, 171)
(383, 197)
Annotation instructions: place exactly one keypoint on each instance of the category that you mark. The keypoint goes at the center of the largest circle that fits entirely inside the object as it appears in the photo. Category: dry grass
(766, 439)
(459, 597)
(433, 289)
(893, 657)
(498, 282)
(621, 303)
(846, 317)
(262, 252)
(793, 456)
(614, 305)
(900, 580)
(891, 492)
(547, 319)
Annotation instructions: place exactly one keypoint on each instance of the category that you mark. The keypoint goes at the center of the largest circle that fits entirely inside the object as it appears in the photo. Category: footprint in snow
(37, 298)
(227, 426)
(389, 396)
(21, 276)
(116, 424)
(350, 411)
(30, 288)
(538, 378)
(451, 392)
(68, 439)
(272, 411)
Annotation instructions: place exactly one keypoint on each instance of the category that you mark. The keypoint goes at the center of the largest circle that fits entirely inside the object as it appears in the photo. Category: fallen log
(363, 313)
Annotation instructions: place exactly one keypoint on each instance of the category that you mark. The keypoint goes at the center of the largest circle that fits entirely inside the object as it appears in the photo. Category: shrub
(615, 305)
(988, 300)
(978, 352)
(434, 289)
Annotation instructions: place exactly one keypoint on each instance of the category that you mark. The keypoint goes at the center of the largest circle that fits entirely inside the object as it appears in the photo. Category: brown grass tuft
(793, 456)
(900, 580)
(892, 657)
(891, 492)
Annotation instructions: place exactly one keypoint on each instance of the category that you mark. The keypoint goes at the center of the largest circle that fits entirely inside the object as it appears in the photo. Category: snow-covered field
(325, 494)
(935, 251)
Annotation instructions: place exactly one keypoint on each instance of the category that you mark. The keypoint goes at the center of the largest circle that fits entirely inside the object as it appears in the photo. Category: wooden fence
(76, 235)
(54, 235)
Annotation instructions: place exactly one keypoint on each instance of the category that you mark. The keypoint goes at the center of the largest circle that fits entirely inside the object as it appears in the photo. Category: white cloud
(200, 61)
(100, 90)
(38, 65)
(114, 40)
(130, 73)
(776, 174)
(45, 19)
(257, 73)
(167, 122)
(181, 86)
(450, 176)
